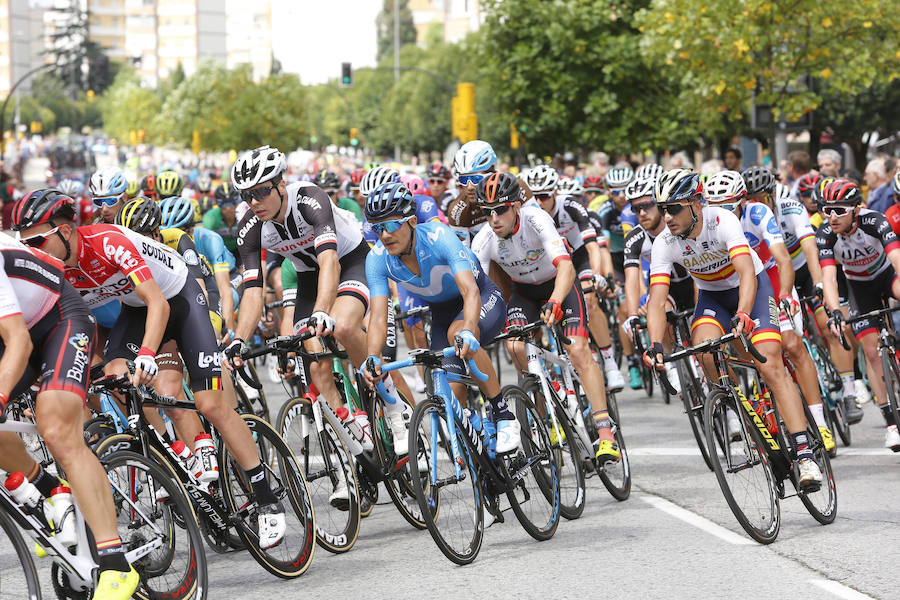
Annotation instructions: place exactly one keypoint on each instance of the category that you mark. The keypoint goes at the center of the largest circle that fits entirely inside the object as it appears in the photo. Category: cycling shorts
(718, 308)
(682, 294)
(409, 301)
(526, 301)
(866, 296)
(188, 325)
(582, 262)
(618, 262)
(63, 342)
(490, 323)
(805, 288)
(352, 283)
(786, 323)
(168, 359)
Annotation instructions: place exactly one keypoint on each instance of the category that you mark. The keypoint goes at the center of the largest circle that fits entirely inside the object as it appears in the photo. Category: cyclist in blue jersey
(430, 260)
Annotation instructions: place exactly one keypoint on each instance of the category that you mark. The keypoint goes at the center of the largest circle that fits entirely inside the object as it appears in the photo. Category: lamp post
(5, 102)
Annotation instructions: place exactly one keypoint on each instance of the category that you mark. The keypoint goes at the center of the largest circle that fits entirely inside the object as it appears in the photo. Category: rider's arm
(329, 276)
(606, 265)
(595, 258)
(471, 296)
(830, 287)
(825, 241)
(376, 333)
(808, 245)
(501, 278)
(785, 268)
(249, 246)
(633, 289)
(661, 264)
(223, 282)
(17, 349)
(157, 313)
(565, 280)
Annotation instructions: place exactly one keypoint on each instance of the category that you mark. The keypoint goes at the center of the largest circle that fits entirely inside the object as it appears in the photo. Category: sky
(313, 37)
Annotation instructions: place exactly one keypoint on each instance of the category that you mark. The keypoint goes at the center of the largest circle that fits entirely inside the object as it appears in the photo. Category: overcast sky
(313, 37)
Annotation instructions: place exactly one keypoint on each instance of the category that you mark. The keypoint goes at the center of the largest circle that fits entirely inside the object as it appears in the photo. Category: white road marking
(696, 520)
(649, 451)
(840, 590)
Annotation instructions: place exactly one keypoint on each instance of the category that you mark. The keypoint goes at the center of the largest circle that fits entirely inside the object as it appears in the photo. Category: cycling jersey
(597, 224)
(530, 254)
(572, 222)
(459, 213)
(351, 206)
(212, 245)
(795, 227)
(112, 260)
(761, 229)
(892, 214)
(426, 210)
(30, 281)
(638, 249)
(862, 252)
(312, 225)
(709, 257)
(616, 224)
(197, 264)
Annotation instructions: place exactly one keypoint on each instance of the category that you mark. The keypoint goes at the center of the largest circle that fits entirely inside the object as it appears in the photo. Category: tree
(385, 25)
(126, 107)
(80, 62)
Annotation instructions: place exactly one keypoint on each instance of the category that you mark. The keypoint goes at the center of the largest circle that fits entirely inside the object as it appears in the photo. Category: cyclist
(710, 244)
(148, 187)
(472, 163)
(593, 192)
(159, 302)
(438, 177)
(203, 185)
(356, 177)
(43, 321)
(330, 184)
(134, 186)
(649, 171)
(523, 242)
(429, 260)
(892, 214)
(864, 243)
(168, 184)
(74, 189)
(107, 186)
(222, 218)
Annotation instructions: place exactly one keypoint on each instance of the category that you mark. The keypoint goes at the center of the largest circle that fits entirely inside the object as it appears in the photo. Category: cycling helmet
(841, 191)
(640, 187)
(415, 184)
(474, 157)
(148, 186)
(437, 170)
(498, 188)
(677, 186)
(570, 187)
(356, 177)
(42, 206)
(71, 187)
(108, 181)
(390, 200)
(593, 183)
(619, 177)
(169, 183)
(649, 171)
(141, 215)
(206, 203)
(759, 180)
(817, 191)
(542, 178)
(257, 166)
(134, 187)
(782, 192)
(807, 183)
(203, 184)
(177, 212)
(226, 194)
(327, 180)
(725, 189)
(375, 178)
(895, 185)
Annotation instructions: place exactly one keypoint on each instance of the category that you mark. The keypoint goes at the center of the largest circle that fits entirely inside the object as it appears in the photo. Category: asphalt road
(675, 537)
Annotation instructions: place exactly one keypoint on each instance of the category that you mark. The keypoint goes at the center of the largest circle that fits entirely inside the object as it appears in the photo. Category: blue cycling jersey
(426, 210)
(211, 245)
(440, 255)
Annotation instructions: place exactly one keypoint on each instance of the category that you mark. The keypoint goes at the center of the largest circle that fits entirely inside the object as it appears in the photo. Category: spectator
(733, 158)
(711, 167)
(829, 162)
(879, 197)
(680, 160)
(798, 165)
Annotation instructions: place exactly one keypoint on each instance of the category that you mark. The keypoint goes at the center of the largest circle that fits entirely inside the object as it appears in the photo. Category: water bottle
(186, 456)
(205, 458)
(23, 491)
(351, 425)
(64, 515)
(362, 421)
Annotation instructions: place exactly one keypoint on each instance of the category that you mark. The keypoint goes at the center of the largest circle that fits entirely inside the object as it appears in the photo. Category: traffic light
(353, 136)
(465, 121)
(346, 75)
(513, 136)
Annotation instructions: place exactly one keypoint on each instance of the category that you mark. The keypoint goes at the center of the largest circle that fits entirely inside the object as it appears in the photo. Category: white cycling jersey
(30, 281)
(795, 227)
(761, 230)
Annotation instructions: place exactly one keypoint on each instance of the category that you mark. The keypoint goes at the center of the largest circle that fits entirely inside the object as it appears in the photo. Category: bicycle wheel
(571, 472)
(17, 571)
(327, 465)
(821, 504)
(177, 567)
(251, 401)
(616, 476)
(742, 468)
(458, 527)
(532, 471)
(892, 382)
(832, 391)
(292, 557)
(692, 398)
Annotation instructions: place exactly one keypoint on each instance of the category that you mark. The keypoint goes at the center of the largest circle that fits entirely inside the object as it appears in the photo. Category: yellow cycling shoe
(553, 437)
(116, 585)
(608, 451)
(827, 438)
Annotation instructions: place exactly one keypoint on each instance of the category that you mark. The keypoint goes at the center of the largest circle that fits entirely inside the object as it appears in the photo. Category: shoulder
(758, 212)
(483, 240)
(790, 206)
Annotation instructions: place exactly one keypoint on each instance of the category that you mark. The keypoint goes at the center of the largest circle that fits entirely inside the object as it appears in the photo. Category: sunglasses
(473, 179)
(389, 226)
(673, 209)
(620, 192)
(40, 240)
(543, 196)
(646, 207)
(837, 211)
(106, 200)
(258, 193)
(436, 180)
(490, 211)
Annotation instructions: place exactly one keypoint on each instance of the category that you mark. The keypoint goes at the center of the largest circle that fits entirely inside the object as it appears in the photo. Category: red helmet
(437, 171)
(42, 206)
(356, 177)
(841, 191)
(807, 183)
(593, 183)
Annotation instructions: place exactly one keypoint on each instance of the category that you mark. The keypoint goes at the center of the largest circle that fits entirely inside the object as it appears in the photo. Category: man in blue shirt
(878, 179)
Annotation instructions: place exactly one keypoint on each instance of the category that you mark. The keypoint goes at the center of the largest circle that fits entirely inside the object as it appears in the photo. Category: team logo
(533, 255)
(201, 299)
(190, 257)
(80, 341)
(132, 347)
(119, 255)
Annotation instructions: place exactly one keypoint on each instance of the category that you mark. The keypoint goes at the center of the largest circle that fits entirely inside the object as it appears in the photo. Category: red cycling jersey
(892, 214)
(112, 260)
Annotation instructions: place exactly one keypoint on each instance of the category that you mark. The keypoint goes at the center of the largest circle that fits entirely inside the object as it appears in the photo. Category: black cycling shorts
(490, 322)
(618, 262)
(188, 325)
(866, 296)
(525, 304)
(682, 294)
(351, 283)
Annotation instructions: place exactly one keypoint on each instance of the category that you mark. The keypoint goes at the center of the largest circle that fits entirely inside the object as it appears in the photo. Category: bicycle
(889, 351)
(641, 343)
(171, 564)
(227, 503)
(462, 462)
(760, 460)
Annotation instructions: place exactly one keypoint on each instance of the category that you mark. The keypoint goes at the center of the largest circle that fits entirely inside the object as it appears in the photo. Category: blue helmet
(678, 186)
(177, 212)
(390, 200)
(474, 157)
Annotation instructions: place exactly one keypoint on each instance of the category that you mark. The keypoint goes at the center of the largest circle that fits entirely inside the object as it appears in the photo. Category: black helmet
(390, 200)
(498, 188)
(437, 170)
(42, 206)
(226, 194)
(148, 187)
(141, 215)
(759, 180)
(327, 180)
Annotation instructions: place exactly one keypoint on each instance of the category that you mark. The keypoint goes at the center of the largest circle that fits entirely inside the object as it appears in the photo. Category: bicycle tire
(718, 438)
(891, 372)
(534, 457)
(692, 399)
(336, 530)
(32, 586)
(460, 549)
(827, 371)
(291, 490)
(152, 567)
(616, 476)
(821, 504)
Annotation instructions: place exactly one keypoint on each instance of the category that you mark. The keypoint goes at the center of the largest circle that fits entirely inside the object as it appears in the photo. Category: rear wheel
(692, 398)
(616, 476)
(892, 382)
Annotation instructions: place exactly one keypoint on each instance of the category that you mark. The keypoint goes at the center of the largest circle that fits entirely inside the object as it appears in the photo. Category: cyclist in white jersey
(474, 161)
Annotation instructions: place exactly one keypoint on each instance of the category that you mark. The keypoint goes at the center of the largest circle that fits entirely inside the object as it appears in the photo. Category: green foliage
(126, 106)
(384, 23)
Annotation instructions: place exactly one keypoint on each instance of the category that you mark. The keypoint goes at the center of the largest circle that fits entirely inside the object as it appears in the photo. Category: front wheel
(892, 381)
(692, 398)
(20, 578)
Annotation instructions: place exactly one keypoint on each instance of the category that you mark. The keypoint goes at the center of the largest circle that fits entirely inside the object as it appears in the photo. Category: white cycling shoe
(810, 476)
(340, 497)
(892, 438)
(399, 424)
(672, 376)
(508, 435)
(614, 380)
(733, 425)
(272, 525)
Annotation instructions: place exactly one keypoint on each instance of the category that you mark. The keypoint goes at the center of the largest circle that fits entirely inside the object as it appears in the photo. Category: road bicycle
(888, 350)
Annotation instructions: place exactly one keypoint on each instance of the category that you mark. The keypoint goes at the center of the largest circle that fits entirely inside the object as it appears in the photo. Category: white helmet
(257, 166)
(108, 181)
(782, 192)
(649, 171)
(639, 188)
(474, 157)
(619, 177)
(725, 189)
(570, 187)
(542, 178)
(376, 177)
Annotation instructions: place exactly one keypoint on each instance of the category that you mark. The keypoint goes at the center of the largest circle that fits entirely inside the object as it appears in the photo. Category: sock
(888, 414)
(801, 445)
(44, 482)
(847, 380)
(260, 486)
(601, 420)
(500, 409)
(111, 556)
(609, 361)
(392, 403)
(633, 361)
(857, 374)
(818, 413)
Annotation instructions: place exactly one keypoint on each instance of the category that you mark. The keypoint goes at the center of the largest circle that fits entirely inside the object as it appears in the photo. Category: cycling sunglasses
(389, 226)
(473, 179)
(645, 207)
(40, 240)
(617, 192)
(258, 193)
(543, 196)
(673, 209)
(837, 210)
(500, 209)
(436, 180)
(106, 200)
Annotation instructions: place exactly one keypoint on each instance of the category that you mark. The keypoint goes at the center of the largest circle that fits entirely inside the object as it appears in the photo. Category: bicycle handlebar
(422, 356)
(284, 344)
(122, 383)
(413, 312)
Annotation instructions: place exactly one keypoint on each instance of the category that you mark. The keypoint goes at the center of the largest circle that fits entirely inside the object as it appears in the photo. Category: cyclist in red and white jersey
(863, 242)
(159, 302)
